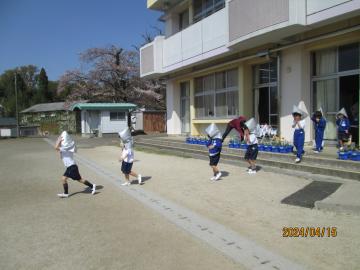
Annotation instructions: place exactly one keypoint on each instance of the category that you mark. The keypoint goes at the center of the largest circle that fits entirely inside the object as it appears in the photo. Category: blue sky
(52, 33)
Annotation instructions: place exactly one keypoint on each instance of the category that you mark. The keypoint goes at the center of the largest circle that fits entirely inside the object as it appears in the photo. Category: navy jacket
(343, 124)
(217, 143)
(319, 126)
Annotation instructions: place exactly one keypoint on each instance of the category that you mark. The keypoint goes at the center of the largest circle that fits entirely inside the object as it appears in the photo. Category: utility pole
(16, 107)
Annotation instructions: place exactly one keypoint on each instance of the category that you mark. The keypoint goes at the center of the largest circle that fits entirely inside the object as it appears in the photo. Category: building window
(335, 84)
(266, 93)
(216, 95)
(204, 8)
(117, 116)
(184, 20)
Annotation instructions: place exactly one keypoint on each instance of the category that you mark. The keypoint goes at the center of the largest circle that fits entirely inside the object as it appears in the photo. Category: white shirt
(67, 157)
(301, 124)
(253, 139)
(127, 155)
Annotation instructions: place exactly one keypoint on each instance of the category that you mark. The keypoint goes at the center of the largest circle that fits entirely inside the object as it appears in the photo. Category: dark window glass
(220, 80)
(349, 57)
(273, 100)
(209, 105)
(264, 73)
(198, 85)
(274, 121)
(117, 116)
(204, 8)
(199, 106)
(273, 71)
(197, 5)
(184, 20)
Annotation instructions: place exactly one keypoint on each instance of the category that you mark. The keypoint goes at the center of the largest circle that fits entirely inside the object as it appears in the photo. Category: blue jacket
(343, 124)
(217, 149)
(319, 126)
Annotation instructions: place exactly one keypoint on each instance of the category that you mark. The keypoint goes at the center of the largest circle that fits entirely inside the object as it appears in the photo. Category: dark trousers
(299, 139)
(319, 137)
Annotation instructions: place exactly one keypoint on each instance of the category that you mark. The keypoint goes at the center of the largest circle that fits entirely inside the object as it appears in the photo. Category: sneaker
(126, 184)
(63, 195)
(212, 178)
(297, 160)
(139, 179)
(217, 176)
(251, 171)
(93, 190)
(316, 151)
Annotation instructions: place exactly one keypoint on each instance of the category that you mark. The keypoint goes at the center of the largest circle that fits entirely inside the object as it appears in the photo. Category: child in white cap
(66, 146)
(127, 157)
(343, 127)
(214, 145)
(251, 140)
(299, 132)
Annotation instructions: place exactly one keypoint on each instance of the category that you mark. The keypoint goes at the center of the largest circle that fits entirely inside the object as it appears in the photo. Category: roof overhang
(103, 106)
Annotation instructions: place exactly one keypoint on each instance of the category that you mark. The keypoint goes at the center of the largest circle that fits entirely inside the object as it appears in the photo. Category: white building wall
(313, 6)
(173, 108)
(295, 88)
(108, 126)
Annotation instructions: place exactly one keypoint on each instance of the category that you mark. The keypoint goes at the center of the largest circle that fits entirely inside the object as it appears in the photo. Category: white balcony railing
(198, 41)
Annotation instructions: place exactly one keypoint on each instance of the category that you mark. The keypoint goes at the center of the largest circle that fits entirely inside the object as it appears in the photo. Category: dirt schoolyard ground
(113, 231)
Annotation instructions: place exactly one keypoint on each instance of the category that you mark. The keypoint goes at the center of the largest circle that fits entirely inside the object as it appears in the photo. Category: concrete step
(307, 159)
(314, 165)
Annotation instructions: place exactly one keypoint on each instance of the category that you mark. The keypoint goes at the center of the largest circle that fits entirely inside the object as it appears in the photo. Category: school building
(225, 58)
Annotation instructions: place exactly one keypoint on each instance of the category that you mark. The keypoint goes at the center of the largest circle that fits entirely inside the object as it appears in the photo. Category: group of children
(247, 130)
(215, 144)
(342, 124)
(65, 145)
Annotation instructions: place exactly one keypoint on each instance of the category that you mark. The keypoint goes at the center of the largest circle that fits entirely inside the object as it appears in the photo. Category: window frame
(117, 116)
(200, 112)
(207, 11)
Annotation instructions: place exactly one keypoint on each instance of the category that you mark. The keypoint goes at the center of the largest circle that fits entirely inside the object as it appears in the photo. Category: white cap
(125, 135)
(251, 124)
(296, 109)
(343, 112)
(213, 131)
(67, 143)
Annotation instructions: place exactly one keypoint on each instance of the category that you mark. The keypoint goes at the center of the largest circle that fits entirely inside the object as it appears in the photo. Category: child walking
(66, 146)
(251, 140)
(299, 132)
(319, 125)
(214, 145)
(343, 126)
(127, 157)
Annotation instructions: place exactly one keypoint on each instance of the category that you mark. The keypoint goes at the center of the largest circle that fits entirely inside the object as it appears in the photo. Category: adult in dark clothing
(238, 124)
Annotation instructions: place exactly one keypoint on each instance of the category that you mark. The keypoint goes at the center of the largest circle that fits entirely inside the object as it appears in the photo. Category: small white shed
(103, 118)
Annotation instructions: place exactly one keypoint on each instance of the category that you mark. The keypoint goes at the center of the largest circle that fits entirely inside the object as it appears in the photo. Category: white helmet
(67, 143)
(251, 124)
(125, 135)
(343, 112)
(213, 132)
(296, 109)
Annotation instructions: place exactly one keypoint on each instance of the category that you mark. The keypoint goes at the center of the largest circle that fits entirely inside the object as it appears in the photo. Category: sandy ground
(248, 204)
(109, 230)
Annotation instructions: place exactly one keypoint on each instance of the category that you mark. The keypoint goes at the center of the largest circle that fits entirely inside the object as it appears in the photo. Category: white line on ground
(231, 244)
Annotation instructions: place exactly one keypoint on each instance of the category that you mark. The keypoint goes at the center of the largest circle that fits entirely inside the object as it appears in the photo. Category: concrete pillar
(173, 108)
(295, 88)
